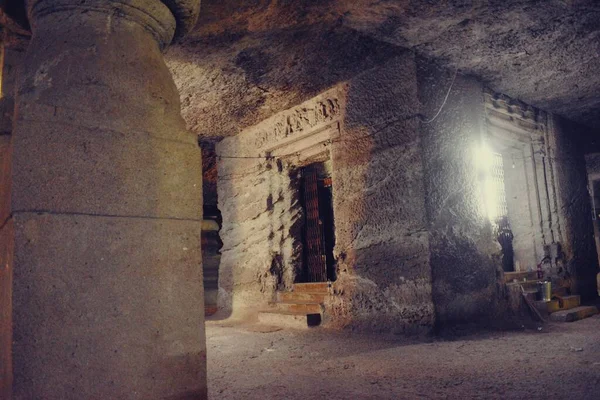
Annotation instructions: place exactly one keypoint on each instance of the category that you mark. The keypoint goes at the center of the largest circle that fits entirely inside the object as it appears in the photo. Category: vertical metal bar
(316, 266)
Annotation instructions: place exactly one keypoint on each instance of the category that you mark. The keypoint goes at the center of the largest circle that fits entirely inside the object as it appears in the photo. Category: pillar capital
(153, 15)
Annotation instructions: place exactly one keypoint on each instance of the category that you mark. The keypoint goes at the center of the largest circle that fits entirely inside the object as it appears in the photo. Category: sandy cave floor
(562, 361)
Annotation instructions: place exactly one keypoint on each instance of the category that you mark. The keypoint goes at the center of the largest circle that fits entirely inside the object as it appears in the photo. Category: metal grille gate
(497, 175)
(314, 249)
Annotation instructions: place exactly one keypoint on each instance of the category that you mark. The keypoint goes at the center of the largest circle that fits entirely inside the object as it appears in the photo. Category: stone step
(569, 302)
(289, 319)
(574, 314)
(289, 297)
(312, 287)
(297, 307)
(519, 276)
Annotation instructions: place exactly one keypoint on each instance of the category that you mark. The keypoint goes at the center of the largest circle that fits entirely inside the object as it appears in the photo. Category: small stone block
(316, 287)
(568, 302)
(574, 314)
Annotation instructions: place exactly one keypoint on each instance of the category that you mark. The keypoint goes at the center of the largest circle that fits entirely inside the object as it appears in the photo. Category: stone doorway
(499, 211)
(318, 238)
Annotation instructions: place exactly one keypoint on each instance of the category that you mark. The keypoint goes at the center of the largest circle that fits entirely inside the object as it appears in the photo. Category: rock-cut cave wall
(382, 251)
(464, 270)
(567, 154)
(414, 244)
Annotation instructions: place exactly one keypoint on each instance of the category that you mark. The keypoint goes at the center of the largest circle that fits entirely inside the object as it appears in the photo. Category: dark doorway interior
(505, 238)
(318, 236)
(499, 210)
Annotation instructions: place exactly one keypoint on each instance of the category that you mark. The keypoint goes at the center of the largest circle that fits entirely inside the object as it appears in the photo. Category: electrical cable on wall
(388, 124)
(445, 99)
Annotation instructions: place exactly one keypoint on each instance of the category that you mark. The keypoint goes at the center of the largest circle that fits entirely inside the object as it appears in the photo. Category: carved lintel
(507, 114)
(299, 120)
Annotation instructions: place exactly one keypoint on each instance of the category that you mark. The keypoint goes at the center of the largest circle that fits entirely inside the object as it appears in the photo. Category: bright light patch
(491, 169)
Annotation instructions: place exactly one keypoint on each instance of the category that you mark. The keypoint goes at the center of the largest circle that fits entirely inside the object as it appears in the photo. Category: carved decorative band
(153, 15)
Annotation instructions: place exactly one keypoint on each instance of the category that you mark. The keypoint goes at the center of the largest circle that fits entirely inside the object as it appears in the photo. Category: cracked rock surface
(244, 63)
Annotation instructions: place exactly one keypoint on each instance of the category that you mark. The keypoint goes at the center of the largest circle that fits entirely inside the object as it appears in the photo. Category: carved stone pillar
(106, 207)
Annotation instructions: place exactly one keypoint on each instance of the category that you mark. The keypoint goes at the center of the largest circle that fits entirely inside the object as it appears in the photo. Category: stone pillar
(107, 211)
(12, 49)
(464, 271)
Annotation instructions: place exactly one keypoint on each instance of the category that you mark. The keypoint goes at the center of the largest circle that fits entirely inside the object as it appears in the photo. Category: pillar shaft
(12, 50)
(106, 207)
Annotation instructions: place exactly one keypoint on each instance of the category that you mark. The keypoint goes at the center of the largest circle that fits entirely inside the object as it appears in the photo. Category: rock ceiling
(245, 62)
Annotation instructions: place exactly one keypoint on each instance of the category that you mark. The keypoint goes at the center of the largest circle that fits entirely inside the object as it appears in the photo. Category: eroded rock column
(106, 206)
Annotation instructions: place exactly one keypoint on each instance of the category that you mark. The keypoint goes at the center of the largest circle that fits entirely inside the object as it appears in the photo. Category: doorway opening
(318, 233)
(502, 227)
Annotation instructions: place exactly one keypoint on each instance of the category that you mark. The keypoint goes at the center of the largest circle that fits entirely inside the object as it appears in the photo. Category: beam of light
(492, 187)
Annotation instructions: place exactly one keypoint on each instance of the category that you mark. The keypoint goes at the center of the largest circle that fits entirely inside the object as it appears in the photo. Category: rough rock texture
(520, 133)
(378, 202)
(542, 52)
(593, 164)
(13, 13)
(382, 243)
(106, 206)
(235, 80)
(464, 269)
(245, 62)
(559, 361)
(567, 150)
(593, 171)
(258, 199)
(411, 225)
(12, 53)
(520, 196)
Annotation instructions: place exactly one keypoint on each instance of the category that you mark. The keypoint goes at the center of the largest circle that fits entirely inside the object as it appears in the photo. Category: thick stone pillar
(464, 272)
(106, 206)
(12, 50)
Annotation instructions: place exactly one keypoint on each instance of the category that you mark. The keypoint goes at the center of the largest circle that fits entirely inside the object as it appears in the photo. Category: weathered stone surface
(286, 320)
(13, 13)
(259, 213)
(6, 318)
(522, 206)
(592, 161)
(381, 240)
(381, 247)
(186, 12)
(539, 53)
(5, 176)
(105, 172)
(574, 314)
(566, 151)
(464, 271)
(246, 62)
(116, 313)
(11, 58)
(108, 296)
(236, 81)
